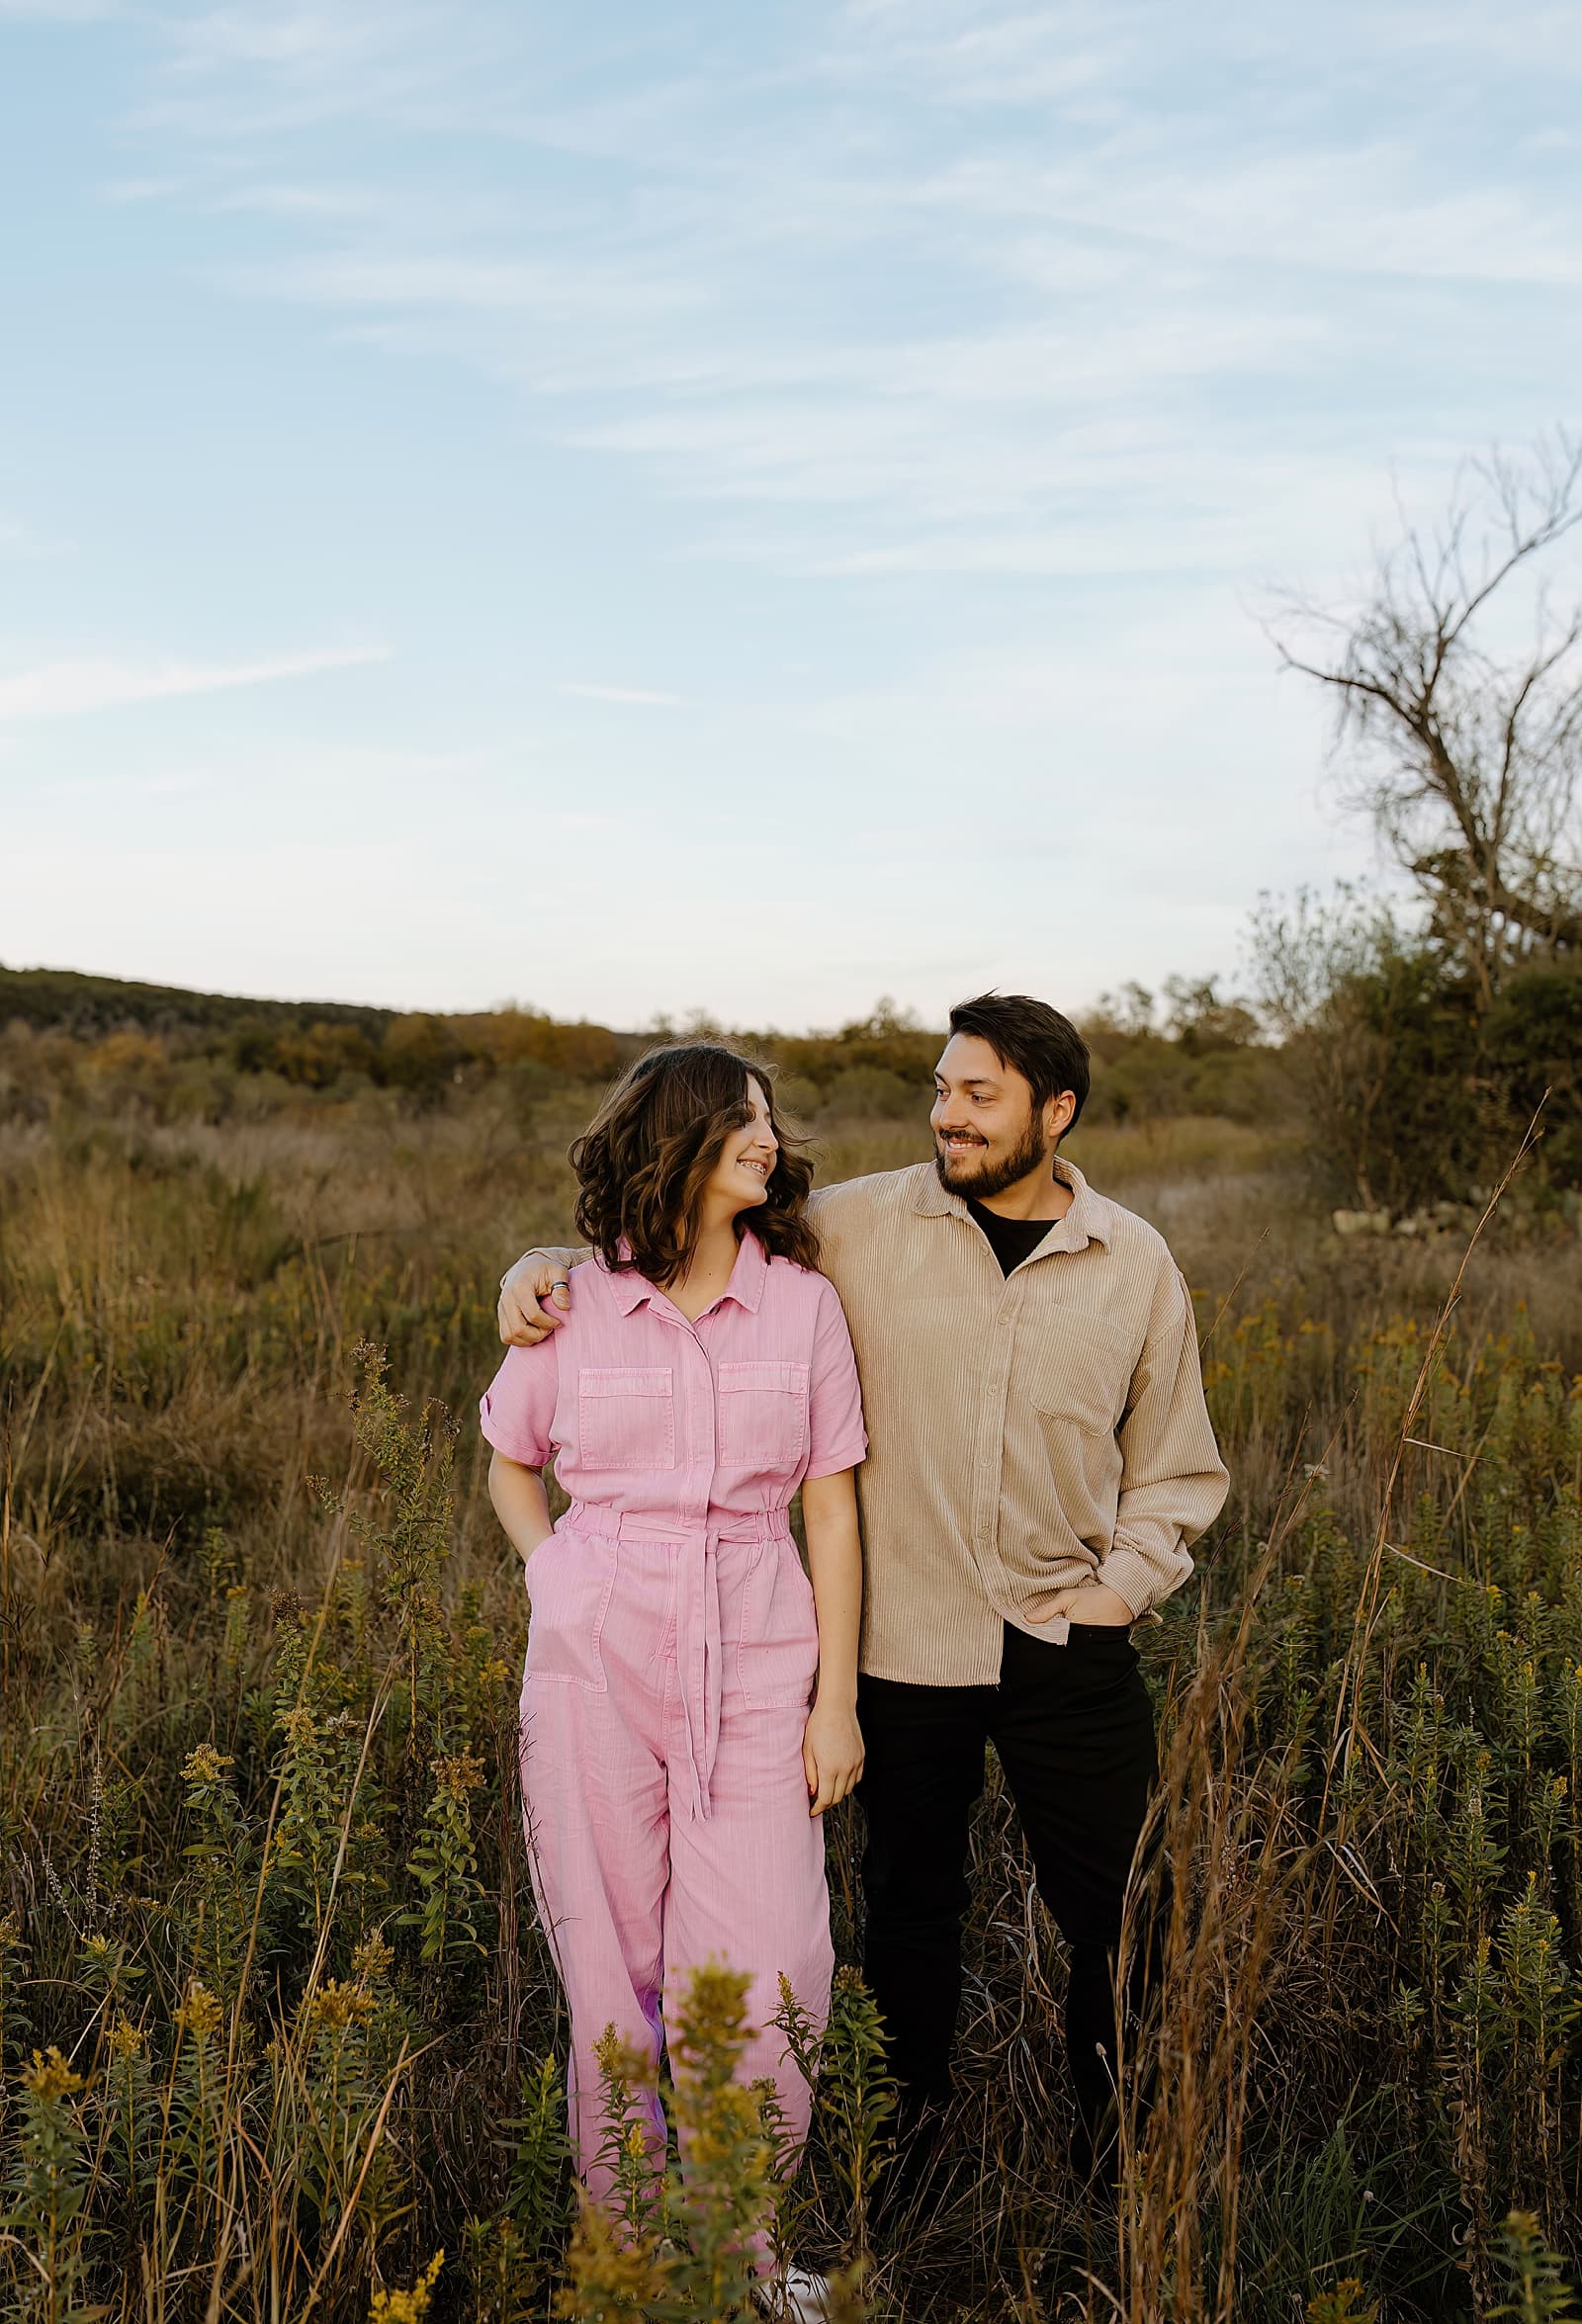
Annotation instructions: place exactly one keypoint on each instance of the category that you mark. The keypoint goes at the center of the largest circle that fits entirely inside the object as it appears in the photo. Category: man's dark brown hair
(644, 1160)
(1033, 1039)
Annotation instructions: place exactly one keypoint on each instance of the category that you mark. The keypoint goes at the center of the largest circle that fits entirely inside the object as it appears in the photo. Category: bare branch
(1463, 753)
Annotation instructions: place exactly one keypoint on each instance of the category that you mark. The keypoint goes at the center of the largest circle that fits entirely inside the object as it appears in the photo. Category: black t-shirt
(1011, 1240)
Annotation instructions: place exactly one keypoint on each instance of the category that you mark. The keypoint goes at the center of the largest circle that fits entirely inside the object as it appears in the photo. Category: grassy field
(277, 2024)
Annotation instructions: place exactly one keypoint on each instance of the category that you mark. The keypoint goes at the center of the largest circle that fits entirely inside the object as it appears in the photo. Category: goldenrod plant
(264, 1889)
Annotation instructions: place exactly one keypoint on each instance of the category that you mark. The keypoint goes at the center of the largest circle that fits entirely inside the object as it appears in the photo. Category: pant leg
(923, 1771)
(748, 1886)
(747, 1883)
(1073, 1728)
(597, 1810)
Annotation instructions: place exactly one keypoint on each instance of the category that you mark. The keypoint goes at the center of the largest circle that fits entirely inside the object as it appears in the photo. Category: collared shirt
(1029, 1431)
(693, 1425)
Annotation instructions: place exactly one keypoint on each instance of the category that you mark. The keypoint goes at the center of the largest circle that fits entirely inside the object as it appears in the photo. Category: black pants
(1074, 1729)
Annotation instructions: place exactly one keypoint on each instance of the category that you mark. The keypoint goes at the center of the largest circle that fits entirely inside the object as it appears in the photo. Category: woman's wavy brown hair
(644, 1159)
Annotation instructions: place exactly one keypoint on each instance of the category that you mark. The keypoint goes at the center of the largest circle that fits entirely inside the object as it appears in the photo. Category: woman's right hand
(831, 1753)
(535, 1299)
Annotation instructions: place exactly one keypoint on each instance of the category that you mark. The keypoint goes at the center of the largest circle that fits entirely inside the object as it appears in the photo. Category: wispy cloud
(123, 192)
(20, 540)
(905, 329)
(60, 11)
(639, 696)
(906, 397)
(68, 688)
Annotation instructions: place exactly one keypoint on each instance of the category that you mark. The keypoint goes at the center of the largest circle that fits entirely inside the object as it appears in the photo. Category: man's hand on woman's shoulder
(535, 1299)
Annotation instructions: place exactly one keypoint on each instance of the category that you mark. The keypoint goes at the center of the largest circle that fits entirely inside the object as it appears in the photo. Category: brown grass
(1369, 2056)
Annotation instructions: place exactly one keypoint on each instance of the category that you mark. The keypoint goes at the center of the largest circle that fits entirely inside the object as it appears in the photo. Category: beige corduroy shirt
(1025, 1432)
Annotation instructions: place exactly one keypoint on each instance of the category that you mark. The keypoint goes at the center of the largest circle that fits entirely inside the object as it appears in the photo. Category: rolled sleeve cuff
(844, 1456)
(1144, 1575)
(529, 1456)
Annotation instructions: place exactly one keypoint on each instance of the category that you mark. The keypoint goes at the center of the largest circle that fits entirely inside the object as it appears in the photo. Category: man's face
(987, 1132)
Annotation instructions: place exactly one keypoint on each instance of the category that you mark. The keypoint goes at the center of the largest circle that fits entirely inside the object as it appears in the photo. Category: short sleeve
(836, 1438)
(516, 1411)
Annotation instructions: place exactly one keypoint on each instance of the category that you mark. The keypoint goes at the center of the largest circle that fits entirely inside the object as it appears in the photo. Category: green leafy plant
(1535, 2275)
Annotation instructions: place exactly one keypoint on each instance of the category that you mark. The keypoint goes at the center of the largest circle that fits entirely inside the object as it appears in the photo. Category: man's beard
(993, 1178)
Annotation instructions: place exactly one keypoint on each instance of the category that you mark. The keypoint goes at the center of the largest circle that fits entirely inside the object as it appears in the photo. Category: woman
(689, 1701)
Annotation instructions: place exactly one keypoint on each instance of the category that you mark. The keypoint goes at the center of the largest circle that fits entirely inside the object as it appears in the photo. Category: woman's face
(740, 1179)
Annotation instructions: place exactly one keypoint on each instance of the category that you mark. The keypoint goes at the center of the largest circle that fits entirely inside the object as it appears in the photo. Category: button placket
(698, 1646)
(992, 1438)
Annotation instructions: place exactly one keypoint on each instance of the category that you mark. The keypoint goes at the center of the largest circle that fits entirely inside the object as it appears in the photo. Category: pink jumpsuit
(673, 1649)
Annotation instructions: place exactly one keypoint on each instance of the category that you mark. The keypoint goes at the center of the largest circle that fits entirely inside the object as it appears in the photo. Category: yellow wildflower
(334, 2007)
(204, 1764)
(407, 2307)
(202, 2012)
(372, 1958)
(621, 2061)
(126, 2039)
(459, 1774)
(49, 2078)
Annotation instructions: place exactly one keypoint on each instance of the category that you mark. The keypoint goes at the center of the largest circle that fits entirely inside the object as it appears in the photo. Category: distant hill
(106, 1042)
(89, 1007)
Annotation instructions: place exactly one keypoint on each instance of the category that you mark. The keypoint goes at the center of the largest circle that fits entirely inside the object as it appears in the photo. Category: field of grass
(277, 2024)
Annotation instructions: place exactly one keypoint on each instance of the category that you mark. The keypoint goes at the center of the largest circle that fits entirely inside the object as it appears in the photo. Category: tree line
(1411, 1034)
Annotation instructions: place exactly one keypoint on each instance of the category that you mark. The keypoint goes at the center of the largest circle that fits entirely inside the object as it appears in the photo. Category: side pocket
(777, 1647)
(569, 1580)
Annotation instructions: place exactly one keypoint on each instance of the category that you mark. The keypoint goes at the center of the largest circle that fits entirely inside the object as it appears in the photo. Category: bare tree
(1465, 749)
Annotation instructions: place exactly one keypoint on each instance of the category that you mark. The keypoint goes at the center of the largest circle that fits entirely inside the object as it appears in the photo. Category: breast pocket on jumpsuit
(763, 1424)
(626, 1420)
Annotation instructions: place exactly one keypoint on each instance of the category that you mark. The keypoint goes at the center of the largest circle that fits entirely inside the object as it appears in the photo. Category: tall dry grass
(277, 2024)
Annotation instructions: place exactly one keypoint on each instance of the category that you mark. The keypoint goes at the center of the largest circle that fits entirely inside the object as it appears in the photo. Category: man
(1040, 1461)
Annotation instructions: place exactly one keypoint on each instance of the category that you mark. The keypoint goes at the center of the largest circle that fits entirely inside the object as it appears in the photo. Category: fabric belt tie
(700, 1649)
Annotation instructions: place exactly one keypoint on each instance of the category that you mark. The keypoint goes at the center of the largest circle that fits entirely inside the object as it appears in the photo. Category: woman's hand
(831, 1753)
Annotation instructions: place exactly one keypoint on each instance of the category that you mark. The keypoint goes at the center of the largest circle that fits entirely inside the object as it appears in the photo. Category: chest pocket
(762, 1416)
(626, 1417)
(1077, 1370)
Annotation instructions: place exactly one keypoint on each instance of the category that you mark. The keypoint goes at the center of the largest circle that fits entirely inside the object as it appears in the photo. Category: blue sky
(639, 507)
